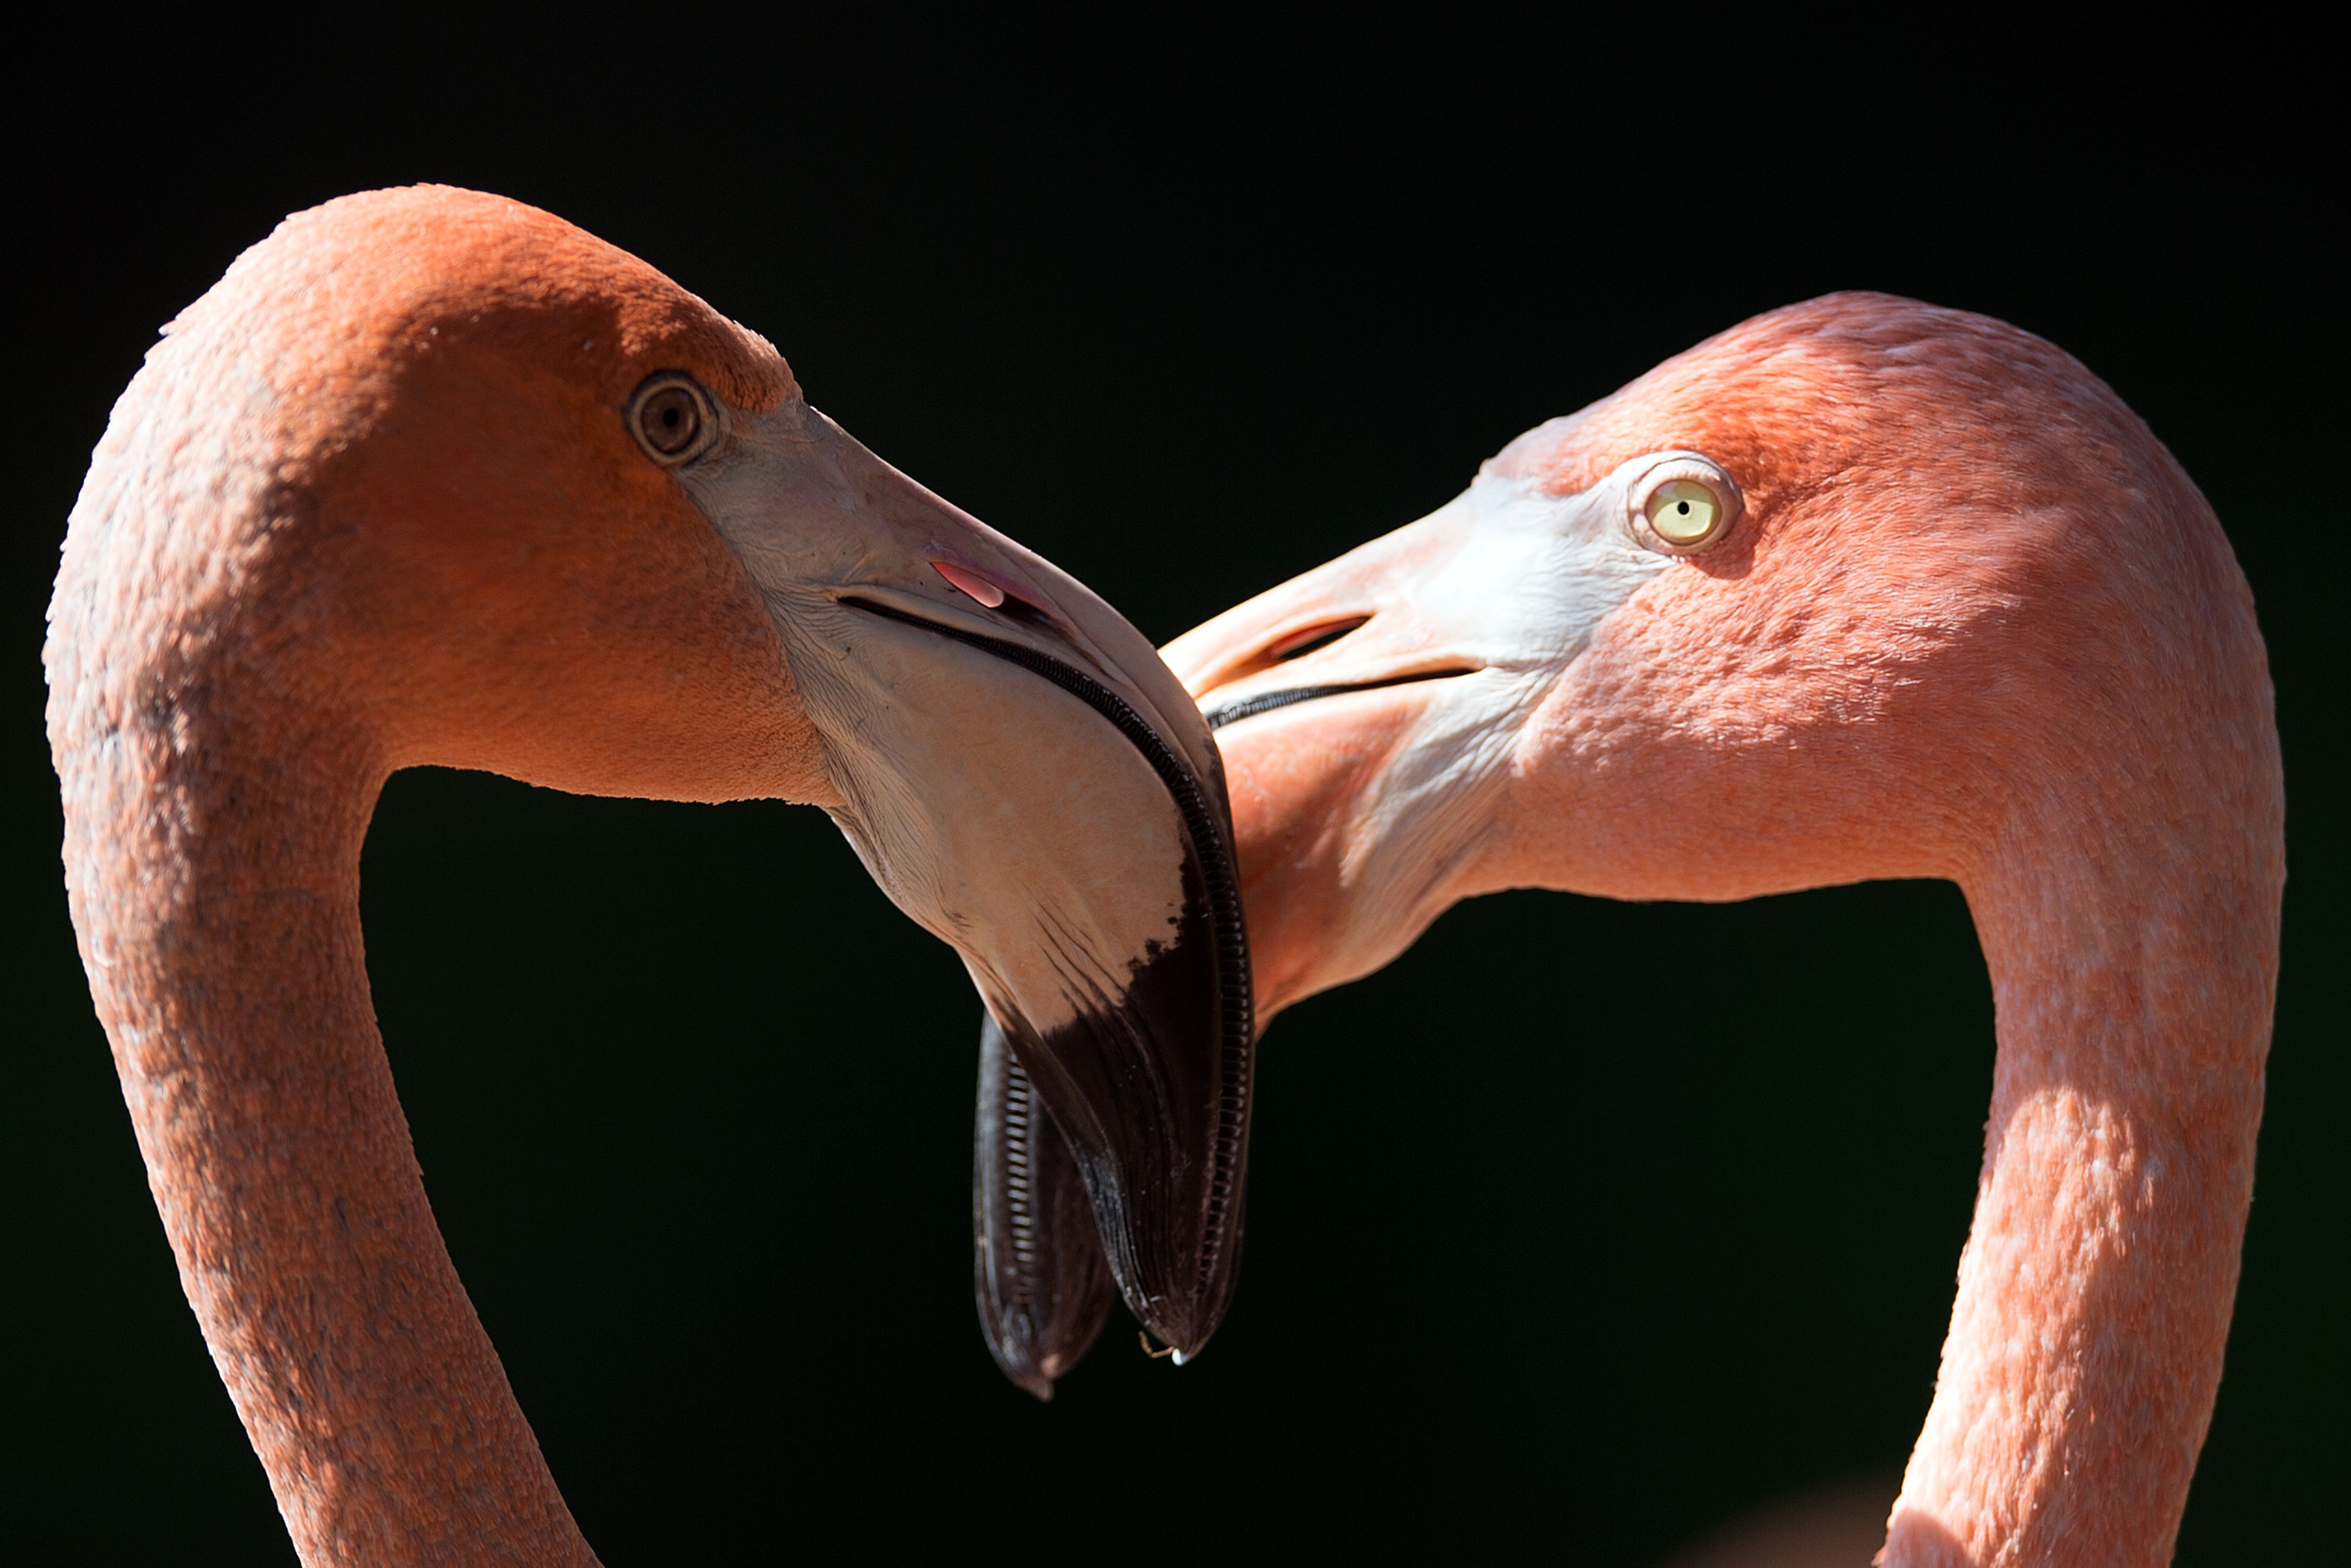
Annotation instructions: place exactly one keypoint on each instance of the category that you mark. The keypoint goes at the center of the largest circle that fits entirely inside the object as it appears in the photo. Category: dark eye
(671, 417)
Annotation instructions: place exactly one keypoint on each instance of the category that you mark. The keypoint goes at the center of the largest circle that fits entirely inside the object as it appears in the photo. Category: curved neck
(212, 855)
(2134, 968)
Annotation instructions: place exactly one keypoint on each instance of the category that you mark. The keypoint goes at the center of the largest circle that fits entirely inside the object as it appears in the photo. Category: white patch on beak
(1002, 813)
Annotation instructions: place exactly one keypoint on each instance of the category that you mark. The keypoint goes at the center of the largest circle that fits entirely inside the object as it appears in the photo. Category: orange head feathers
(1950, 568)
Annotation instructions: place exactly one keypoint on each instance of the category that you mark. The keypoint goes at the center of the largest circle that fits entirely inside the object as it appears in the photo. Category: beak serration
(1151, 1090)
(1038, 1269)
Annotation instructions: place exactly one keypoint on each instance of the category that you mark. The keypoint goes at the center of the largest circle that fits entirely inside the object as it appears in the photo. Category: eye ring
(1682, 503)
(672, 418)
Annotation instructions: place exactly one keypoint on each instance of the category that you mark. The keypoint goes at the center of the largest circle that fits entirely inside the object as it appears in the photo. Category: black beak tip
(1042, 1282)
(1133, 1105)
(1025, 1373)
(1149, 1191)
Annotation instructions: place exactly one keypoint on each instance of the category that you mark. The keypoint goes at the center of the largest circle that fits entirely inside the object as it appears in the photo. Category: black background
(1581, 1229)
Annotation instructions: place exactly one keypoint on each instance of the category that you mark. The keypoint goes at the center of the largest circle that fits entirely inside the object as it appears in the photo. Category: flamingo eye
(672, 418)
(1682, 503)
(1683, 511)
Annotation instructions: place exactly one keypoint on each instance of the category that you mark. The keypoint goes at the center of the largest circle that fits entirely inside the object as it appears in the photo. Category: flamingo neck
(2134, 966)
(212, 854)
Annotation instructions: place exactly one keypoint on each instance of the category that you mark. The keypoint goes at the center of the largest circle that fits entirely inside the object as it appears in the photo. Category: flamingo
(1861, 588)
(432, 476)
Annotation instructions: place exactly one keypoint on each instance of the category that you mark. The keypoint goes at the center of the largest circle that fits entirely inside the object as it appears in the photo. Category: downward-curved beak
(1024, 777)
(1367, 709)
(1315, 689)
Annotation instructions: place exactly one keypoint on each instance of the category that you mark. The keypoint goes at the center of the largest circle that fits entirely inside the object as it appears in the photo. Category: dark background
(1582, 1227)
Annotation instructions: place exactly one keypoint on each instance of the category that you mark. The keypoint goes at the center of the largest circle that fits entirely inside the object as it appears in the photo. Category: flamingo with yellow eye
(434, 477)
(1858, 589)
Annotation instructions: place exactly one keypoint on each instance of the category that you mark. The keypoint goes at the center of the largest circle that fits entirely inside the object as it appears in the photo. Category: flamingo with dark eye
(1859, 589)
(430, 477)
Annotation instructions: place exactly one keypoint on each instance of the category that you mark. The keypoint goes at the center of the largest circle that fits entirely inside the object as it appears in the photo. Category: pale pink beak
(1370, 714)
(1314, 688)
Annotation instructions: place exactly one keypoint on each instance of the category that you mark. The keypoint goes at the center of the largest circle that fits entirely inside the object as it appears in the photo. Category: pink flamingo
(1858, 589)
(434, 477)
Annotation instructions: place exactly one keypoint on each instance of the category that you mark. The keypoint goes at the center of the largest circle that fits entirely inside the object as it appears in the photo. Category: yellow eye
(1683, 511)
(1679, 503)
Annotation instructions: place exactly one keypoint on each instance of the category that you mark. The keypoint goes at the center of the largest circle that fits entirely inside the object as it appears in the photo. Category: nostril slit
(1298, 645)
(971, 582)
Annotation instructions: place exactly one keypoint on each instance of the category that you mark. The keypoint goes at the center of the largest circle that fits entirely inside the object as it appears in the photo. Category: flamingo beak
(1368, 709)
(1314, 690)
(1023, 775)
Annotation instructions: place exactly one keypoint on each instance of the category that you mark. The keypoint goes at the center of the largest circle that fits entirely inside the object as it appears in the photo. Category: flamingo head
(517, 502)
(1830, 596)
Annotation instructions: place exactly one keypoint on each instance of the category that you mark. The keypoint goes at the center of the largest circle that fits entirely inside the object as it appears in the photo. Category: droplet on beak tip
(971, 582)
